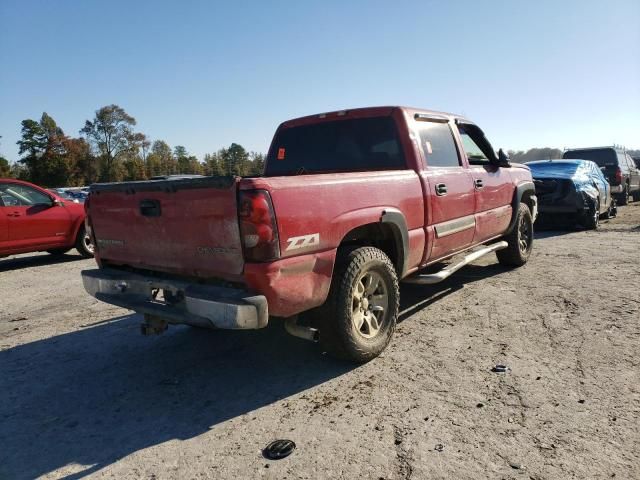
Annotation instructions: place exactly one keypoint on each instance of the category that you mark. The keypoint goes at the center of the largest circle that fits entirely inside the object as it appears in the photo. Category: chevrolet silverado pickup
(350, 204)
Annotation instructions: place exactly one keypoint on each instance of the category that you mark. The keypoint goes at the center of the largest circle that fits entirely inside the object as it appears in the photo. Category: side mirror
(56, 203)
(503, 159)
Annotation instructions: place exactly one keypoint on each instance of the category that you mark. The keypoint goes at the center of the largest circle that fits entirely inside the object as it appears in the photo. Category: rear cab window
(357, 144)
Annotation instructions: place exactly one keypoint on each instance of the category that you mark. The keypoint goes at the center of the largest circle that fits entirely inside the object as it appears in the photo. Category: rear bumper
(195, 304)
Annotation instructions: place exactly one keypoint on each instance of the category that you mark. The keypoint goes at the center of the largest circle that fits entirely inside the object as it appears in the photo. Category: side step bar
(431, 278)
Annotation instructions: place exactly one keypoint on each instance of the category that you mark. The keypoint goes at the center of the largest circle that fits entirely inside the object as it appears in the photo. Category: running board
(431, 278)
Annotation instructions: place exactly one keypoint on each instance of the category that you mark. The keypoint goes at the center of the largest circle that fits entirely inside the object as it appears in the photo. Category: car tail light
(258, 227)
(618, 175)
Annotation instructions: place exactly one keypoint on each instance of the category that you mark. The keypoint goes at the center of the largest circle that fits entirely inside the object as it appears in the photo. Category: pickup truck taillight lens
(258, 227)
(618, 175)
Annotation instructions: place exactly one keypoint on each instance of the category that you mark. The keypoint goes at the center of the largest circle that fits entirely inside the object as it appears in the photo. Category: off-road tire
(56, 252)
(514, 255)
(592, 220)
(82, 245)
(623, 198)
(636, 196)
(338, 333)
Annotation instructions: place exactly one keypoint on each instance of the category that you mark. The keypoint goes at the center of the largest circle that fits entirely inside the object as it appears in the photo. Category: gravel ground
(82, 393)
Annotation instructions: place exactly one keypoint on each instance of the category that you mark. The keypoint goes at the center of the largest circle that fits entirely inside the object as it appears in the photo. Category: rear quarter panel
(314, 213)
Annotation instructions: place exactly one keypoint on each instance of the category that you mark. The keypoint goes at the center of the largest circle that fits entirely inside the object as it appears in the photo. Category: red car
(351, 203)
(33, 219)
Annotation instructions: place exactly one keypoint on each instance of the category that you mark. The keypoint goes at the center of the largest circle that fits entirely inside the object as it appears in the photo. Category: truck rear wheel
(520, 240)
(361, 312)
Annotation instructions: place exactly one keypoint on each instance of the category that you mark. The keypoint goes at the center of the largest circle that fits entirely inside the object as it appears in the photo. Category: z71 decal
(303, 241)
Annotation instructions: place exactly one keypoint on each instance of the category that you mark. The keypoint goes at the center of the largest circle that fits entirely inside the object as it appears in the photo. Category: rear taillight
(618, 175)
(258, 227)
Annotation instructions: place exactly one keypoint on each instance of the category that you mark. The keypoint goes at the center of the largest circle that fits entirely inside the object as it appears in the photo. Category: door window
(14, 194)
(476, 146)
(438, 146)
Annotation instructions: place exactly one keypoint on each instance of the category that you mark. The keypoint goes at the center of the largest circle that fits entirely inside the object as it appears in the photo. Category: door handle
(478, 183)
(13, 214)
(441, 189)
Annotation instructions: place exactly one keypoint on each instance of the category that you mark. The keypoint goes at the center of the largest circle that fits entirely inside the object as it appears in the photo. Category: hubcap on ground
(525, 235)
(369, 305)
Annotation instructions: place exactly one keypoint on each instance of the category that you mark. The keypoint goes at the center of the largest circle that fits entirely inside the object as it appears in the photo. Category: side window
(438, 146)
(475, 145)
(21, 195)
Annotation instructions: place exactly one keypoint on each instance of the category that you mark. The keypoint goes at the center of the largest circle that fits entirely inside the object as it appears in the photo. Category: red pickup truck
(351, 203)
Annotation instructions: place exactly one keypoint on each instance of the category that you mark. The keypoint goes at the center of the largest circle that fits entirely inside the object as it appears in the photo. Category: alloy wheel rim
(88, 243)
(525, 235)
(370, 304)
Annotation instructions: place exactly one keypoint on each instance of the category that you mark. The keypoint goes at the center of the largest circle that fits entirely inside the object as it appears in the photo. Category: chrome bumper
(193, 304)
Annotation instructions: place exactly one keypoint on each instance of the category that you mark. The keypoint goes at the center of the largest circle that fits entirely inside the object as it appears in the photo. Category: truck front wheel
(520, 240)
(359, 317)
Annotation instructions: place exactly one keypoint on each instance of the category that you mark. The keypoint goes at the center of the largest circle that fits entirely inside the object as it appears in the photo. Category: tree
(43, 146)
(212, 165)
(81, 163)
(112, 135)
(160, 161)
(142, 143)
(257, 163)
(236, 160)
(182, 158)
(5, 168)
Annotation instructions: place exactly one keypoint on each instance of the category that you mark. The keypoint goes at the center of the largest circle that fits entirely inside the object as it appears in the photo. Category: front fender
(523, 188)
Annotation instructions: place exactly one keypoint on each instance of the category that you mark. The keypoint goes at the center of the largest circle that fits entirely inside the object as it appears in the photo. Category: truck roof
(370, 112)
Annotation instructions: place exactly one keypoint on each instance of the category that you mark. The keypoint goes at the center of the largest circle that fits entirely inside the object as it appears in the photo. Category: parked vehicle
(78, 195)
(572, 191)
(33, 219)
(351, 203)
(62, 194)
(617, 166)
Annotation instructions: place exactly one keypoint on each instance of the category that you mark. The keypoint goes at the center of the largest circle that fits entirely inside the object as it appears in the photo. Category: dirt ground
(83, 393)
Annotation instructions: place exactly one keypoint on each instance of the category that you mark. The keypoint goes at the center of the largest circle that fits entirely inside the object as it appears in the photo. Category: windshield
(602, 156)
(334, 146)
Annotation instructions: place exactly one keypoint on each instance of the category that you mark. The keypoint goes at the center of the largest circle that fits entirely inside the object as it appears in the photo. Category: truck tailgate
(185, 226)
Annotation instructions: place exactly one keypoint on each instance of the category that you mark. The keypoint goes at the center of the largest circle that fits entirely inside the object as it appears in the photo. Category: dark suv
(618, 167)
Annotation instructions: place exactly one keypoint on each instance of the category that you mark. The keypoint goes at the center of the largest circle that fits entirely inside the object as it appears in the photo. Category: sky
(204, 74)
